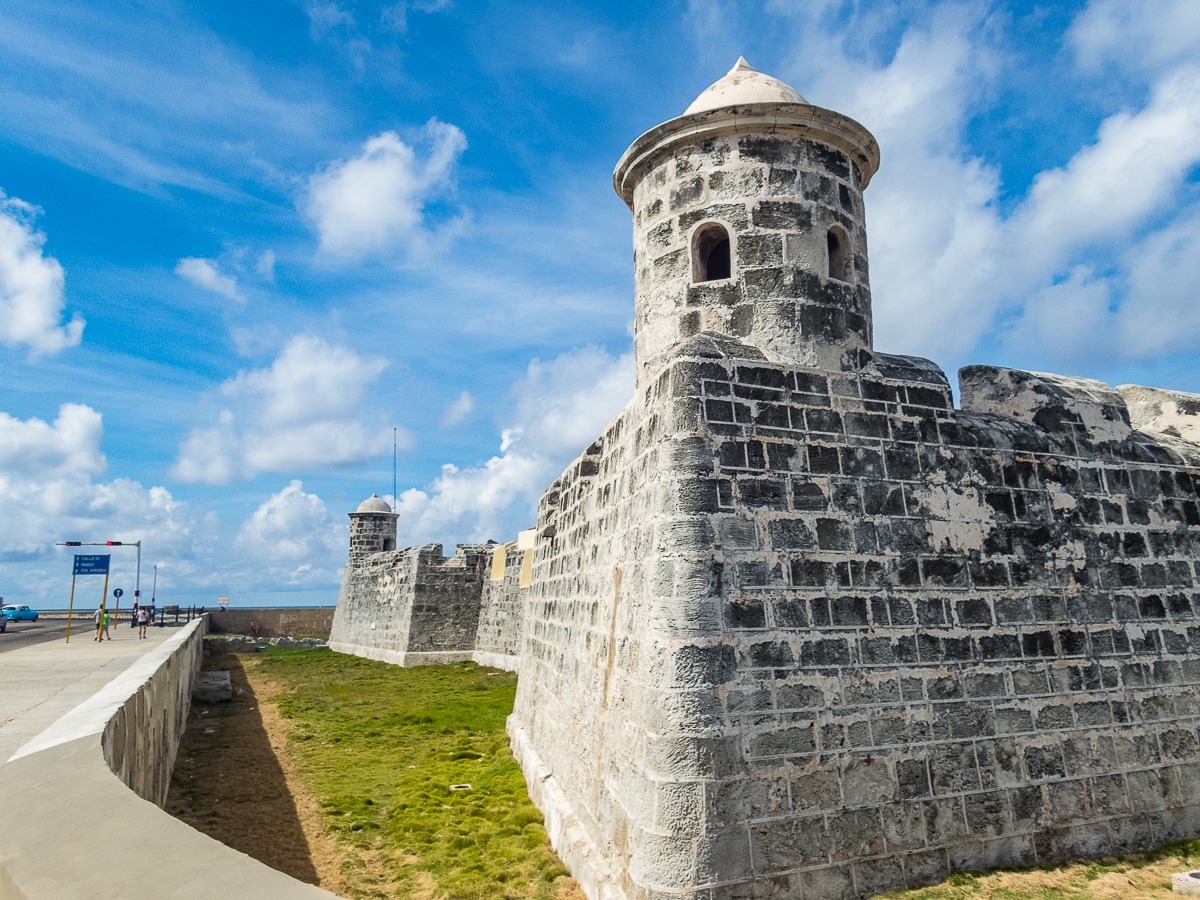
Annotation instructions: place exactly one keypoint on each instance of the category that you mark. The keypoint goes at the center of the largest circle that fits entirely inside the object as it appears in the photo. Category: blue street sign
(118, 593)
(91, 565)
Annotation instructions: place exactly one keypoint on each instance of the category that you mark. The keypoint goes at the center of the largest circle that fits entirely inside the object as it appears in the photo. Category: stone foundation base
(441, 658)
(496, 660)
(567, 836)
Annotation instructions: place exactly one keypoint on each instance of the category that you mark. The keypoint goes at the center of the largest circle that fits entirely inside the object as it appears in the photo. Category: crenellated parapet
(414, 606)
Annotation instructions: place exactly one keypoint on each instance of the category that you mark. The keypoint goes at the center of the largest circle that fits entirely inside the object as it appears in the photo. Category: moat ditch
(339, 771)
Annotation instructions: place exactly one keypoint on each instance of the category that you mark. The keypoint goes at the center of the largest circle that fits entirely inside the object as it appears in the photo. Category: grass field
(380, 748)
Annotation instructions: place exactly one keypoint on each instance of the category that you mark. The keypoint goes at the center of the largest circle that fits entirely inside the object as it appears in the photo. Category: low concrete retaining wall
(300, 621)
(78, 813)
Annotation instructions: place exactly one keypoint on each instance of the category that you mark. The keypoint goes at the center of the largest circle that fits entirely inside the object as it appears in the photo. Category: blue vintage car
(19, 613)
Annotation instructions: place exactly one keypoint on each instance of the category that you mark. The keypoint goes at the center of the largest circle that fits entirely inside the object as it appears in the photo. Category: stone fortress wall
(415, 607)
(837, 637)
(795, 626)
(502, 609)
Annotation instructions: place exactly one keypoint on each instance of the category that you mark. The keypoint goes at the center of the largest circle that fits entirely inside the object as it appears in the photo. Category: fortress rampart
(795, 626)
(414, 607)
(822, 636)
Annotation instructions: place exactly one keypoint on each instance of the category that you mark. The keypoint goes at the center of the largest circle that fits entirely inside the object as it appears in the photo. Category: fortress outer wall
(803, 634)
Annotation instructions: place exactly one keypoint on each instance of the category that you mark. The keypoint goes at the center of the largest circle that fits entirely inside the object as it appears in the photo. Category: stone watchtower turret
(372, 529)
(749, 222)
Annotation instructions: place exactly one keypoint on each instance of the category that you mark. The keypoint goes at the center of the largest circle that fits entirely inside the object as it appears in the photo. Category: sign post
(103, 606)
(71, 608)
(88, 565)
(117, 612)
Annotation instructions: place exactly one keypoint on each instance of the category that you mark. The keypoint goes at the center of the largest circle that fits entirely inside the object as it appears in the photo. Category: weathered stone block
(797, 627)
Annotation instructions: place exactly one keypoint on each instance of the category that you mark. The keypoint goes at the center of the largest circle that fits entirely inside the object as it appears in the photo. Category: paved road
(26, 634)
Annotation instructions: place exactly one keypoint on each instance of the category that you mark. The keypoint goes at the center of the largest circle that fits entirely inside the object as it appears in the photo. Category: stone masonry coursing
(797, 627)
(370, 534)
(401, 605)
(802, 634)
(415, 607)
(501, 614)
(777, 200)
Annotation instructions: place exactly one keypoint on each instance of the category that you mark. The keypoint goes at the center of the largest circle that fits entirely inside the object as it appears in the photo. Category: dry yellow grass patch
(1136, 876)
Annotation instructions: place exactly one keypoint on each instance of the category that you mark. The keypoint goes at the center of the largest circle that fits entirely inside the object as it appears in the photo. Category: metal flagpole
(71, 609)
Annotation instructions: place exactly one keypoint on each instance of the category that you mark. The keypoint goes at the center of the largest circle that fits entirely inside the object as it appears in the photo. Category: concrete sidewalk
(42, 683)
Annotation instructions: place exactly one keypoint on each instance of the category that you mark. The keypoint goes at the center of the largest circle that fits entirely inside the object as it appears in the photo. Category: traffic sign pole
(117, 612)
(103, 608)
(88, 565)
(71, 609)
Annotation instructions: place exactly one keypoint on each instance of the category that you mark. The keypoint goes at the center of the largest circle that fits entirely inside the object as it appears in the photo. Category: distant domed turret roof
(374, 503)
(744, 84)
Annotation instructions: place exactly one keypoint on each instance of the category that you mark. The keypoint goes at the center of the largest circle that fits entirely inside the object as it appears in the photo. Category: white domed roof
(744, 84)
(374, 503)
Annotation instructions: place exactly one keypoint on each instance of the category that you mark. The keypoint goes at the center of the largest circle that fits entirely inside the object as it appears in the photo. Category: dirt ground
(235, 781)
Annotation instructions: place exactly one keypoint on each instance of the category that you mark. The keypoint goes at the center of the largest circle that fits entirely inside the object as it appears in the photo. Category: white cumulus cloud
(293, 535)
(265, 265)
(960, 266)
(47, 492)
(560, 407)
(1113, 186)
(31, 285)
(52, 490)
(324, 16)
(1143, 36)
(306, 411)
(458, 409)
(204, 273)
(378, 201)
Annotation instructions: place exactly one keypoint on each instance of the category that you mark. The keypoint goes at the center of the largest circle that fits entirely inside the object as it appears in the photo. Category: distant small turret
(372, 529)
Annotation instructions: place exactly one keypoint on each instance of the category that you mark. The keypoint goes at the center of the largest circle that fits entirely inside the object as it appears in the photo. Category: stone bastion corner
(795, 625)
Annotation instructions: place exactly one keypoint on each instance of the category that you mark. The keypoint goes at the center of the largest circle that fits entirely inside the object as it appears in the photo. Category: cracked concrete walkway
(42, 683)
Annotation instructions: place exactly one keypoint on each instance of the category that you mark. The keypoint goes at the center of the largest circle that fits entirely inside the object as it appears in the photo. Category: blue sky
(240, 243)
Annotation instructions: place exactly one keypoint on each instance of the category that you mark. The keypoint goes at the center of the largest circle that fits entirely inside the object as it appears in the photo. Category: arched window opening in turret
(838, 244)
(389, 543)
(711, 257)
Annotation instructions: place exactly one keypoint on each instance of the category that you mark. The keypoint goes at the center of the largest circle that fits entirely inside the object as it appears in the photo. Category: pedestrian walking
(107, 622)
(143, 619)
(98, 616)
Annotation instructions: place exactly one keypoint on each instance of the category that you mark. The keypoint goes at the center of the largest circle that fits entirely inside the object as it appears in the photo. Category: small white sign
(222, 601)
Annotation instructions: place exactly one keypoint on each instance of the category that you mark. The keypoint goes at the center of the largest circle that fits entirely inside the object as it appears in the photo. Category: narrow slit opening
(711, 254)
(837, 243)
